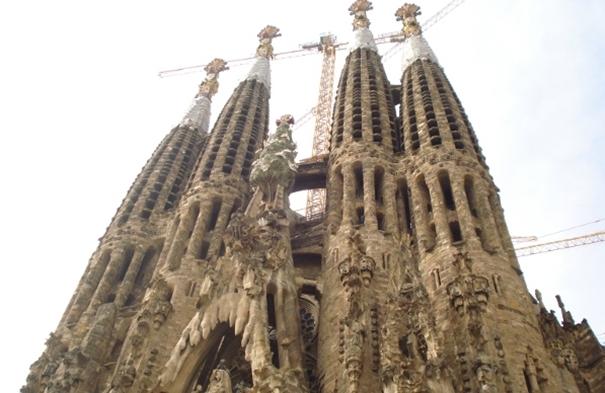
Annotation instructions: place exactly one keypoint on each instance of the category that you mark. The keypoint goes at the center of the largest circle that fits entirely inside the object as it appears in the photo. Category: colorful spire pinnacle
(260, 69)
(198, 115)
(359, 9)
(408, 14)
(266, 35)
(209, 86)
(363, 36)
(414, 45)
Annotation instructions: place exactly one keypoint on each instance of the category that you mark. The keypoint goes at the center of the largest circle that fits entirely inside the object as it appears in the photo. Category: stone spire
(414, 45)
(363, 36)
(260, 69)
(198, 115)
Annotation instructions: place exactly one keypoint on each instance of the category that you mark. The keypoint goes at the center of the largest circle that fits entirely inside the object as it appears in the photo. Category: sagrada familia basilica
(207, 281)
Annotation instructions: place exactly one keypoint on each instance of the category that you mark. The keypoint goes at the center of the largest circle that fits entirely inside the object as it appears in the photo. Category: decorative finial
(567, 318)
(266, 36)
(209, 86)
(540, 301)
(408, 14)
(359, 9)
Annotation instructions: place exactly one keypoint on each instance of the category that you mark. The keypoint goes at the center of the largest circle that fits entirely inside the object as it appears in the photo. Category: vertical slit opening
(455, 231)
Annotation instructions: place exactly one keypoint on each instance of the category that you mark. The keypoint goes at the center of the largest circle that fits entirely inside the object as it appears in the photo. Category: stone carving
(234, 292)
(467, 290)
(162, 305)
(125, 378)
(485, 372)
(352, 336)
(220, 381)
(274, 171)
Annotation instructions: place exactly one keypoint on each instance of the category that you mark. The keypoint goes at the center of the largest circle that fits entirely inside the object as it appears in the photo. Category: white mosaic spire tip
(414, 48)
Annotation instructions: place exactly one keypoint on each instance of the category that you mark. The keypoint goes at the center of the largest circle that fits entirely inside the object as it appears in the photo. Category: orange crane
(316, 198)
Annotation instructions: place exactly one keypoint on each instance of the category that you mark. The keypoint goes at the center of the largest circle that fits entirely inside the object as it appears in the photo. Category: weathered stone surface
(206, 281)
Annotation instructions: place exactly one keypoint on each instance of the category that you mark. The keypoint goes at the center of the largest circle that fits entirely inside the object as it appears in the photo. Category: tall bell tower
(207, 281)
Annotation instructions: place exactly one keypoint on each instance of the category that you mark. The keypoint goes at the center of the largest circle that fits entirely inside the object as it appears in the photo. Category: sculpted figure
(485, 376)
(220, 381)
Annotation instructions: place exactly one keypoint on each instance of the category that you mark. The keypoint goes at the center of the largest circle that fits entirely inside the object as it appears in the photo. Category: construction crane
(316, 198)
(591, 238)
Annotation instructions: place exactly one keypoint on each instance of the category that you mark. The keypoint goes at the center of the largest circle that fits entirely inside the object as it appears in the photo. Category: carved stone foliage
(234, 292)
(351, 340)
(411, 351)
(124, 379)
(356, 270)
(275, 169)
(467, 290)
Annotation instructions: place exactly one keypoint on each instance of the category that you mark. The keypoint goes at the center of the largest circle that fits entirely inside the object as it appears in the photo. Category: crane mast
(316, 198)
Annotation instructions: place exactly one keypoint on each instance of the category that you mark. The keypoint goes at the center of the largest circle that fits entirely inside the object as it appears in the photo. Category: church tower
(207, 281)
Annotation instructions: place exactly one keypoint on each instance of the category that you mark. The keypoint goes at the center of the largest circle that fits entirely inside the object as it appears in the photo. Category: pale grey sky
(83, 109)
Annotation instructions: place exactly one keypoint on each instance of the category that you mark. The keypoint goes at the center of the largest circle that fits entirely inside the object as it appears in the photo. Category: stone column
(465, 217)
(89, 286)
(173, 261)
(195, 242)
(221, 223)
(389, 192)
(439, 211)
(421, 218)
(484, 211)
(130, 277)
(369, 199)
(114, 266)
(348, 197)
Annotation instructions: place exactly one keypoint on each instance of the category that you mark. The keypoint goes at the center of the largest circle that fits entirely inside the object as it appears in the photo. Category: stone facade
(207, 281)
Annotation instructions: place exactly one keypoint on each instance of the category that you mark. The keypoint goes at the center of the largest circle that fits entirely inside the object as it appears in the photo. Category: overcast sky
(82, 109)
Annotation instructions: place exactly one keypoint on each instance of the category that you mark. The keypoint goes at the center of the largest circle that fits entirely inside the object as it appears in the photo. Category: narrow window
(446, 188)
(455, 230)
(272, 320)
(378, 184)
(204, 250)
(216, 208)
(128, 253)
(470, 195)
(358, 172)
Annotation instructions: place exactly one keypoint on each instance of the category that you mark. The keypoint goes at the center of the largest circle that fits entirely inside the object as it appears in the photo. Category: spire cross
(408, 13)
(266, 36)
(359, 9)
(209, 86)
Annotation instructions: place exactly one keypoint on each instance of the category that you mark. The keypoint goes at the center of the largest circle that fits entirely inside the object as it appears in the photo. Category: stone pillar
(348, 197)
(199, 230)
(369, 199)
(439, 211)
(114, 266)
(484, 211)
(389, 192)
(421, 218)
(173, 261)
(221, 223)
(89, 286)
(130, 277)
(465, 217)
